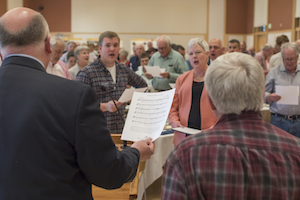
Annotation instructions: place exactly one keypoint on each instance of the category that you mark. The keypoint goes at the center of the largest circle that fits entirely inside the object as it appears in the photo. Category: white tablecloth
(153, 167)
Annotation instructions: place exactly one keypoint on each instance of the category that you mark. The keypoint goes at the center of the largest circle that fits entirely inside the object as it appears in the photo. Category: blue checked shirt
(96, 75)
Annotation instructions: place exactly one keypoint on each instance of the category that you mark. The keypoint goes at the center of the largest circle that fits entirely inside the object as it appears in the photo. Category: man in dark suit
(53, 138)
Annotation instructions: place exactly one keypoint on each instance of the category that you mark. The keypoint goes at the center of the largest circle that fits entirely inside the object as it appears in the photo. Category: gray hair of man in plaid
(235, 83)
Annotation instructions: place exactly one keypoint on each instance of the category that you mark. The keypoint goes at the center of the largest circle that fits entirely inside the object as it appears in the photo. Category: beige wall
(181, 20)
(14, 3)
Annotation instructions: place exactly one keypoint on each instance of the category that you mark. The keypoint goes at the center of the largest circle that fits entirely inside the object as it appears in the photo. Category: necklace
(198, 78)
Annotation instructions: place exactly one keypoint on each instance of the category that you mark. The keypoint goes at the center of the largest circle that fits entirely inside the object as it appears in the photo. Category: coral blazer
(181, 106)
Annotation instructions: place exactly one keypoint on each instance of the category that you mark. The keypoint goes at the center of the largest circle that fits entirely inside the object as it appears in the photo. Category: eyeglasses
(290, 59)
(162, 48)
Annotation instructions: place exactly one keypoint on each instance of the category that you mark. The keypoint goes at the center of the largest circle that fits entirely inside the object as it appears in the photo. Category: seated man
(169, 59)
(241, 157)
(243, 47)
(180, 49)
(233, 46)
(252, 51)
(56, 66)
(135, 60)
(276, 59)
(263, 55)
(109, 79)
(150, 47)
(141, 69)
(70, 47)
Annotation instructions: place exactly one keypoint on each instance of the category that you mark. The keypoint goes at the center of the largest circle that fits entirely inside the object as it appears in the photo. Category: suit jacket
(182, 102)
(53, 138)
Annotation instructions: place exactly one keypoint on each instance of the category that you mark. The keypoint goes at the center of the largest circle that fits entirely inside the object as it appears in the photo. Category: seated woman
(191, 106)
(82, 56)
(123, 57)
(71, 60)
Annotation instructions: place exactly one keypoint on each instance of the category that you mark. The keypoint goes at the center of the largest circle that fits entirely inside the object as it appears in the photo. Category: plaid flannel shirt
(242, 157)
(96, 75)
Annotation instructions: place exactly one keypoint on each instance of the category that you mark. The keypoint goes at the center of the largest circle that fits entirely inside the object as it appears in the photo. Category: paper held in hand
(127, 94)
(187, 130)
(289, 94)
(155, 70)
(147, 115)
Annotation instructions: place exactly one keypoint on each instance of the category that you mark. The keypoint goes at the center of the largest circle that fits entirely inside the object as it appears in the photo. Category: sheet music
(147, 115)
(187, 130)
(127, 94)
(155, 70)
(289, 94)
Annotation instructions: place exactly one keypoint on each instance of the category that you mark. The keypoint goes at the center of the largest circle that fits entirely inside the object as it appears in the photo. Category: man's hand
(165, 74)
(145, 147)
(110, 106)
(149, 76)
(273, 97)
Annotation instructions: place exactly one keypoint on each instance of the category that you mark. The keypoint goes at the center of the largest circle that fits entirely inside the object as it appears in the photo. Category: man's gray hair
(235, 82)
(34, 33)
(200, 42)
(54, 40)
(165, 38)
(267, 47)
(291, 46)
(80, 48)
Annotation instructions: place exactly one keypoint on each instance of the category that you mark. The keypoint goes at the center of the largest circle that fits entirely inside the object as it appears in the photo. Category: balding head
(21, 27)
(215, 48)
(24, 31)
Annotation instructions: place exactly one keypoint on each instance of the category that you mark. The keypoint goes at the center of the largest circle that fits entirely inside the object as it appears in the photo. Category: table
(154, 166)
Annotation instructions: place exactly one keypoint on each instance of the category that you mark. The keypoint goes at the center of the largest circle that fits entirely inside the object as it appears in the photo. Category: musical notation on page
(147, 115)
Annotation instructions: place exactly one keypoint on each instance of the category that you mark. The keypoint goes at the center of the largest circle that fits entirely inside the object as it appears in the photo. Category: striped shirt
(242, 157)
(96, 75)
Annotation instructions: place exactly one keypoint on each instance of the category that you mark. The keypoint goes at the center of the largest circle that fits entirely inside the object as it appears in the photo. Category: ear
(223, 49)
(99, 48)
(47, 45)
(1, 58)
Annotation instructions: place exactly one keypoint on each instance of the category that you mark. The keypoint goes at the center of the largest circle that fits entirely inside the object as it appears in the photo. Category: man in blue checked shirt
(107, 73)
(286, 117)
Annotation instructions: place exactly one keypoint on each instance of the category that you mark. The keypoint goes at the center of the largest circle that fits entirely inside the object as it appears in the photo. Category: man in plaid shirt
(106, 75)
(242, 157)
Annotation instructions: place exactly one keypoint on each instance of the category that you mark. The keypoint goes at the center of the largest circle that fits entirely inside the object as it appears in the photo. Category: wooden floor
(153, 192)
(117, 194)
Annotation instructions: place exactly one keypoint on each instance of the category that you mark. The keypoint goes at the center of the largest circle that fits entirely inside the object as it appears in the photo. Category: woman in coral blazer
(191, 106)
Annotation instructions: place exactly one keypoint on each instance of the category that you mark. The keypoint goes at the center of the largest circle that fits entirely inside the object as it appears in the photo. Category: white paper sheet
(127, 94)
(187, 130)
(155, 70)
(172, 85)
(289, 94)
(147, 115)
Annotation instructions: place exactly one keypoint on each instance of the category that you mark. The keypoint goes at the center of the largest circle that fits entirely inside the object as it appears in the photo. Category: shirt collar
(282, 68)
(27, 56)
(102, 66)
